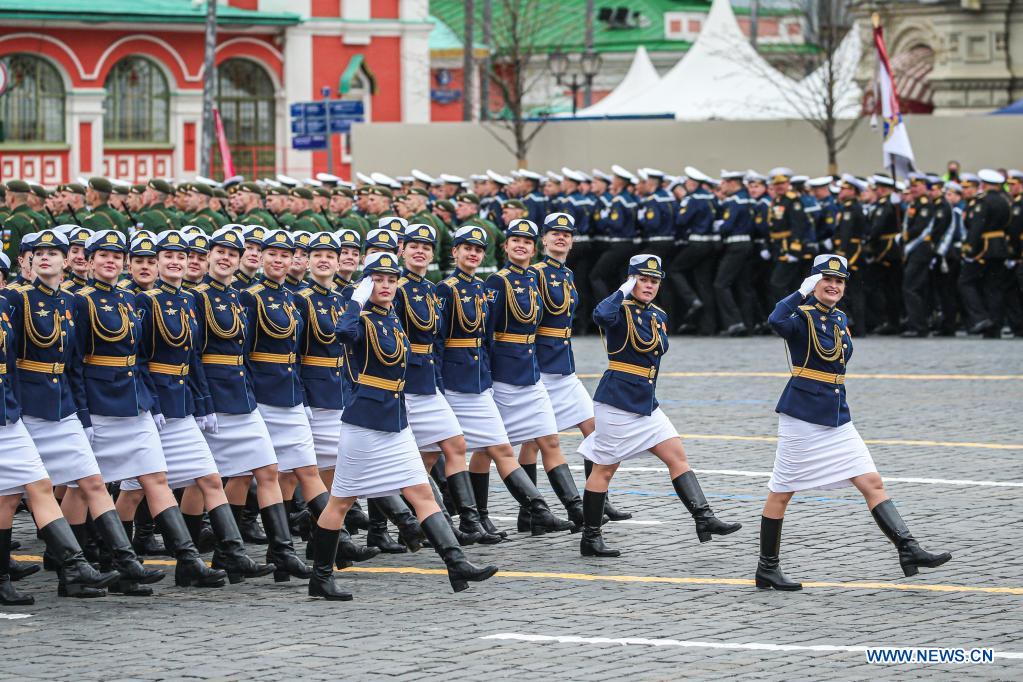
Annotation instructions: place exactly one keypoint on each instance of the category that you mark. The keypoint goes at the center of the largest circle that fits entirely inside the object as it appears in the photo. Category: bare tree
(515, 69)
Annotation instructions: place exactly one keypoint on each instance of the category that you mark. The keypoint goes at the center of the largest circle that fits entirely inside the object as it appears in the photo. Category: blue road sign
(341, 125)
(314, 110)
(346, 108)
(309, 142)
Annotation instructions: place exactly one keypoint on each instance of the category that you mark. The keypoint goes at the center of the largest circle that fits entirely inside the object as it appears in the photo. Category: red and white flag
(225, 150)
(898, 153)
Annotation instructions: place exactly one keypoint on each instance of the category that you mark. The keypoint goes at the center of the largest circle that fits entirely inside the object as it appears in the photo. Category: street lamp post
(589, 65)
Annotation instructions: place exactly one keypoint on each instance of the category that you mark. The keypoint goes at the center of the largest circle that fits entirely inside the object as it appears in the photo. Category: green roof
(137, 11)
(562, 24)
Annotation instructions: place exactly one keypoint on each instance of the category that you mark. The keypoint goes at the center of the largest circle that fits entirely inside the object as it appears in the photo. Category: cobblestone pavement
(948, 442)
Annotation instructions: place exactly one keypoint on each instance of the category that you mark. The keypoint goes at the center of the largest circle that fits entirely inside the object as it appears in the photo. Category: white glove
(363, 291)
(828, 244)
(629, 285)
(1010, 264)
(211, 424)
(789, 258)
(309, 414)
(201, 423)
(90, 433)
(160, 420)
(765, 254)
(806, 288)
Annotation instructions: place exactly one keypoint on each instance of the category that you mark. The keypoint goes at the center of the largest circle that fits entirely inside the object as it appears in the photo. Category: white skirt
(241, 443)
(376, 463)
(20, 463)
(126, 447)
(431, 419)
(622, 435)
(814, 456)
(478, 417)
(186, 452)
(572, 403)
(326, 426)
(291, 435)
(525, 410)
(64, 448)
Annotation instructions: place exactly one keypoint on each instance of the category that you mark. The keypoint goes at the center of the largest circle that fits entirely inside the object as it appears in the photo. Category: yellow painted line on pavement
(868, 441)
(647, 579)
(786, 375)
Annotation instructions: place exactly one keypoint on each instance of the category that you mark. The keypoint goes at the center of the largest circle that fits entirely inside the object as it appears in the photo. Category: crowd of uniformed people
(194, 359)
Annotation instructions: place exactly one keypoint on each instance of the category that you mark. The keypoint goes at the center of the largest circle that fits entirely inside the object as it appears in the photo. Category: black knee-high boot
(191, 570)
(229, 553)
(8, 595)
(439, 476)
(397, 512)
(203, 542)
(460, 487)
(247, 517)
(280, 549)
(321, 583)
(464, 539)
(460, 571)
(481, 492)
(356, 519)
(522, 521)
(377, 535)
(133, 575)
(77, 577)
(688, 490)
(564, 487)
(609, 509)
(769, 573)
(592, 542)
(541, 520)
(144, 541)
(911, 555)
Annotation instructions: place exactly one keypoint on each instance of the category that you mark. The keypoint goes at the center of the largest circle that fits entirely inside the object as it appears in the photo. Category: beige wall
(462, 148)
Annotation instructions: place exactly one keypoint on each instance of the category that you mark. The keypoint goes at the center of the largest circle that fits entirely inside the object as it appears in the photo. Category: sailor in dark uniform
(818, 446)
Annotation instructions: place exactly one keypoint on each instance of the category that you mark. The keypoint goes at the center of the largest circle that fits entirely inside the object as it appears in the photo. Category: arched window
(32, 108)
(247, 103)
(137, 104)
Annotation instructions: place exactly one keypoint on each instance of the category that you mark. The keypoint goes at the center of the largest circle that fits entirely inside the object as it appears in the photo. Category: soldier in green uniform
(4, 211)
(247, 204)
(278, 201)
(74, 201)
(341, 201)
(467, 211)
(102, 216)
(201, 215)
(413, 208)
(378, 203)
(156, 216)
(62, 208)
(302, 207)
(19, 222)
(37, 202)
(321, 209)
(219, 206)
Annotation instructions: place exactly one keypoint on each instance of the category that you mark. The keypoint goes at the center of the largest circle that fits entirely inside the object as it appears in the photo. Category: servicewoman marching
(320, 305)
(468, 386)
(168, 353)
(114, 394)
(514, 314)
(22, 474)
(273, 333)
(431, 418)
(572, 405)
(378, 454)
(818, 446)
(629, 422)
(45, 341)
(234, 430)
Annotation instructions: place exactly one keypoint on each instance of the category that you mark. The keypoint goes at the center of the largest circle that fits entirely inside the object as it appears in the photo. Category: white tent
(721, 77)
(810, 94)
(641, 76)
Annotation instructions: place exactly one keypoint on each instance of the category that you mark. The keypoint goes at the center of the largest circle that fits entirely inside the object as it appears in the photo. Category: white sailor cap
(5, 262)
(990, 176)
(1015, 175)
(882, 180)
(286, 180)
(623, 173)
(573, 175)
(753, 176)
(853, 182)
(477, 177)
(969, 178)
(405, 179)
(732, 175)
(554, 177)
(696, 175)
(653, 173)
(385, 180)
(422, 177)
(498, 178)
(601, 175)
(312, 182)
(328, 178)
(821, 181)
(364, 179)
(451, 179)
(529, 175)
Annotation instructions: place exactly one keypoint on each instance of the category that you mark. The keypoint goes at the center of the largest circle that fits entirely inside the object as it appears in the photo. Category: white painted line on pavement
(14, 616)
(687, 644)
(767, 474)
(633, 522)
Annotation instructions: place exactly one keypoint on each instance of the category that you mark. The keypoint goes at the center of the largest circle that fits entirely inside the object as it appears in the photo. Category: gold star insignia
(222, 307)
(519, 290)
(417, 299)
(466, 299)
(43, 312)
(275, 306)
(321, 311)
(170, 311)
(107, 308)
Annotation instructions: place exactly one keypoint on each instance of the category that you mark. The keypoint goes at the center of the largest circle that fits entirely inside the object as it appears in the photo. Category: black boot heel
(460, 571)
(769, 574)
(707, 525)
(321, 582)
(912, 557)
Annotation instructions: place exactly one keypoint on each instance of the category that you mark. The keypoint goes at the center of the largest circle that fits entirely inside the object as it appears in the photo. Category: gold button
(54, 379)
(845, 345)
(431, 362)
(655, 352)
(530, 351)
(241, 374)
(565, 342)
(181, 381)
(396, 395)
(337, 374)
(130, 374)
(403, 364)
(289, 369)
(475, 357)
(650, 381)
(836, 390)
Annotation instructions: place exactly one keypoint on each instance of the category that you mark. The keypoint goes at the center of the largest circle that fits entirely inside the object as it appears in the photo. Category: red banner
(225, 150)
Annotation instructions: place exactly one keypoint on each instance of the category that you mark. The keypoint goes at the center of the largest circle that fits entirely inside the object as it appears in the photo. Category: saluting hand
(363, 291)
(629, 285)
(806, 288)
